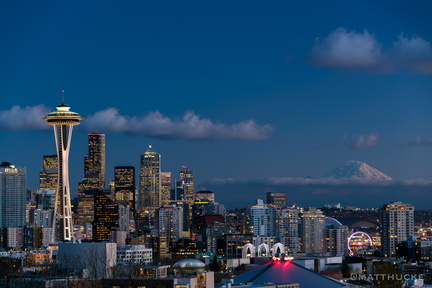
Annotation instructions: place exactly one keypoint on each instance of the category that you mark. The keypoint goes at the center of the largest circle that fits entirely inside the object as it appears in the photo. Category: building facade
(150, 182)
(165, 188)
(286, 226)
(397, 224)
(313, 231)
(94, 163)
(186, 178)
(134, 254)
(231, 245)
(106, 217)
(49, 175)
(124, 187)
(262, 219)
(98, 258)
(278, 199)
(12, 196)
(169, 222)
(335, 240)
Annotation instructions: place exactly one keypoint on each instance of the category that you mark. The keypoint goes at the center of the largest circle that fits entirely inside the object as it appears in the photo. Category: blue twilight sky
(232, 89)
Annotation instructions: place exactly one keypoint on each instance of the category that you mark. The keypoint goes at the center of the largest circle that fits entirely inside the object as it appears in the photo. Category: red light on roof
(282, 257)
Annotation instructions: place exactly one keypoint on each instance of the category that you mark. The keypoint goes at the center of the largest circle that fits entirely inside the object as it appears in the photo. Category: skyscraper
(124, 186)
(313, 231)
(186, 178)
(106, 217)
(85, 209)
(286, 226)
(150, 182)
(94, 163)
(12, 196)
(169, 222)
(262, 219)
(63, 121)
(165, 188)
(49, 175)
(397, 224)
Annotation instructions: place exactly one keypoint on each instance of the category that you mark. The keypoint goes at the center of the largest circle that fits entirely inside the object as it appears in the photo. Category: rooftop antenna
(63, 97)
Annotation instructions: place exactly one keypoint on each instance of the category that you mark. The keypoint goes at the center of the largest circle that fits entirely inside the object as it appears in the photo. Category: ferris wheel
(359, 241)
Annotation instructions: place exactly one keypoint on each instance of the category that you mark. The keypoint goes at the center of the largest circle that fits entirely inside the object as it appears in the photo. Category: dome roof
(5, 164)
(189, 263)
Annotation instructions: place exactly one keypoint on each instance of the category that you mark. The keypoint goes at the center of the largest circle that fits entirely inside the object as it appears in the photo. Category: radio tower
(63, 121)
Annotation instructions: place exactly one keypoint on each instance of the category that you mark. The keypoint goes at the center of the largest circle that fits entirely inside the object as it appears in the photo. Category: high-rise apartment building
(12, 196)
(169, 222)
(313, 231)
(48, 177)
(124, 187)
(63, 121)
(278, 199)
(397, 224)
(262, 219)
(286, 226)
(94, 163)
(150, 182)
(335, 239)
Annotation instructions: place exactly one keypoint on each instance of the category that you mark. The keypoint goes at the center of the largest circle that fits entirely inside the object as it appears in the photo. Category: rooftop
(286, 272)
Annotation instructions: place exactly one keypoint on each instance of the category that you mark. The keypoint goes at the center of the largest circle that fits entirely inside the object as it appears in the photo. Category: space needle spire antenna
(63, 121)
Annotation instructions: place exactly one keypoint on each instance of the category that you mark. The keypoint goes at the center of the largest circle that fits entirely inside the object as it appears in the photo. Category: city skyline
(234, 91)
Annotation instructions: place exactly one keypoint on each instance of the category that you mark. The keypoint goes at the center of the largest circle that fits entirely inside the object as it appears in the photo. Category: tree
(214, 266)
(345, 269)
(386, 276)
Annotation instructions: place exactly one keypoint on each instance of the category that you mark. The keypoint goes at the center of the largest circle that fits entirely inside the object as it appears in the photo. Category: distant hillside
(348, 217)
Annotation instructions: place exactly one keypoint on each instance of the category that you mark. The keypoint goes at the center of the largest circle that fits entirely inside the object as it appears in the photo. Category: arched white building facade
(249, 250)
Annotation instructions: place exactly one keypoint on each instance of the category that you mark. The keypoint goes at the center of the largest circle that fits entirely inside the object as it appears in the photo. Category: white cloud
(154, 124)
(347, 50)
(354, 51)
(190, 126)
(413, 54)
(363, 141)
(24, 118)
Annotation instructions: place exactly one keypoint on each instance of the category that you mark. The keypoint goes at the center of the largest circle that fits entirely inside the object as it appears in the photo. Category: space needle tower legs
(63, 121)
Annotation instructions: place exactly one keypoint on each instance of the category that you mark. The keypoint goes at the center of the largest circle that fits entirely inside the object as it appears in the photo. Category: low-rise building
(136, 254)
(96, 258)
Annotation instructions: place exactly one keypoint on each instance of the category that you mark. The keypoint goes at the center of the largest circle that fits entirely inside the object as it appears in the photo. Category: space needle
(63, 121)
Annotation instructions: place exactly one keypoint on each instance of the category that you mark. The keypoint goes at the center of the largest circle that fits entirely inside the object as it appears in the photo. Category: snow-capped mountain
(357, 170)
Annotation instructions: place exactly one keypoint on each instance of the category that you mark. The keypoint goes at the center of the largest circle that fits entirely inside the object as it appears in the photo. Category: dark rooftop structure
(287, 272)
